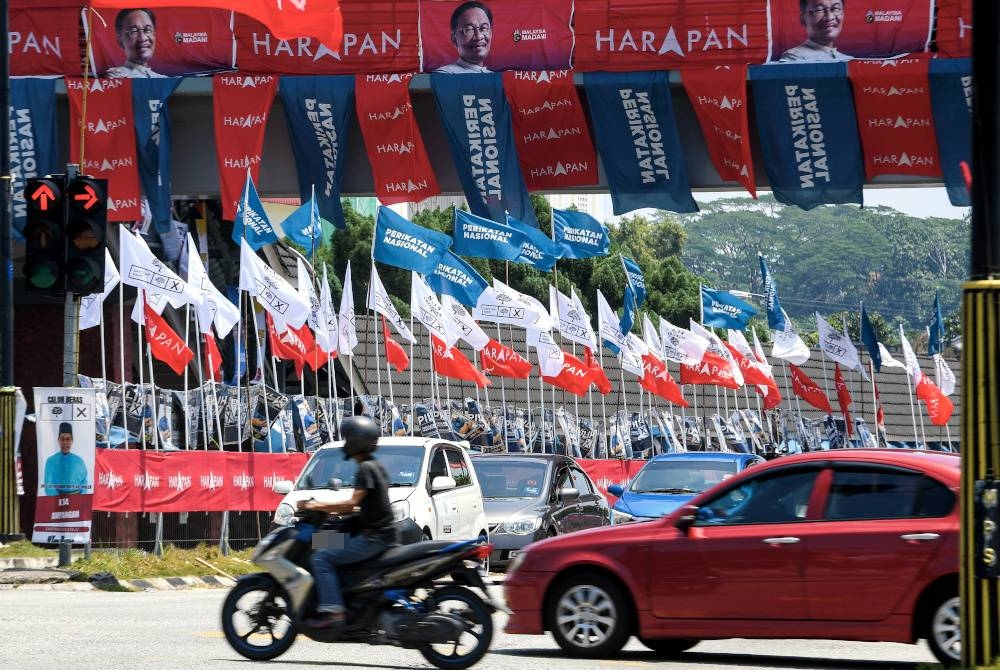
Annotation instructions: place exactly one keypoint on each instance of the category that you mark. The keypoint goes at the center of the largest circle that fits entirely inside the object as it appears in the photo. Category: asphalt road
(55, 630)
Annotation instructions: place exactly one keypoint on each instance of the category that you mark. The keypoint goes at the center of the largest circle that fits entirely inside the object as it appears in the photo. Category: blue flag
(633, 120)
(304, 226)
(152, 143)
(458, 279)
(34, 149)
(808, 133)
(951, 103)
(539, 249)
(869, 339)
(251, 219)
(775, 315)
(635, 279)
(318, 111)
(477, 121)
(404, 244)
(579, 234)
(722, 309)
(484, 238)
(935, 339)
(629, 309)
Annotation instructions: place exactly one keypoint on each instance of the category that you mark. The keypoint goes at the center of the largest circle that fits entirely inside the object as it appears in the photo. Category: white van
(430, 481)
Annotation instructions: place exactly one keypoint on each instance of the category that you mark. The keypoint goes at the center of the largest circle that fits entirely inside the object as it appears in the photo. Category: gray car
(529, 497)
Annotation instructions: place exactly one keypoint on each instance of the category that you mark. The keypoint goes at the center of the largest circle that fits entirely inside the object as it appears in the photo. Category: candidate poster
(143, 43)
(66, 439)
(840, 30)
(43, 40)
(460, 37)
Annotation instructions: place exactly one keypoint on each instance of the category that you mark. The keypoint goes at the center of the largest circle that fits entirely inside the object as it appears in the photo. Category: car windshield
(403, 463)
(681, 476)
(506, 478)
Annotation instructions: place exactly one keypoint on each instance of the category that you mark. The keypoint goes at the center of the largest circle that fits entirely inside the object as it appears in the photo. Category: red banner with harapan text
(604, 473)
(109, 141)
(400, 166)
(719, 97)
(44, 38)
(553, 142)
(892, 100)
(190, 481)
(625, 35)
(954, 28)
(240, 106)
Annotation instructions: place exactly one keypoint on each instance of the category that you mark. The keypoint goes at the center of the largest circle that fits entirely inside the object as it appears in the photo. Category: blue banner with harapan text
(633, 119)
(318, 110)
(477, 121)
(808, 133)
(951, 101)
(152, 143)
(33, 144)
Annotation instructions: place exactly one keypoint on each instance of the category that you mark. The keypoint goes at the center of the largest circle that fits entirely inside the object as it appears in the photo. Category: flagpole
(121, 345)
(187, 335)
(240, 342)
(201, 388)
(413, 361)
(350, 377)
(142, 375)
(871, 371)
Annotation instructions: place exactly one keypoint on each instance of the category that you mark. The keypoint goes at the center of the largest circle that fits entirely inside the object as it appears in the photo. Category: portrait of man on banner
(471, 33)
(65, 472)
(823, 21)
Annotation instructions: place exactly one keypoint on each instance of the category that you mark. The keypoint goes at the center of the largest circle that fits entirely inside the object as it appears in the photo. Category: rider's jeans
(325, 562)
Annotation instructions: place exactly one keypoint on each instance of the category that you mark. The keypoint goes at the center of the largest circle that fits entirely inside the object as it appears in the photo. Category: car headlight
(400, 510)
(520, 526)
(284, 515)
(618, 516)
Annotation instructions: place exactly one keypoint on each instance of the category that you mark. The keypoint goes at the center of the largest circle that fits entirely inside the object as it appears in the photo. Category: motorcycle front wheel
(474, 642)
(256, 618)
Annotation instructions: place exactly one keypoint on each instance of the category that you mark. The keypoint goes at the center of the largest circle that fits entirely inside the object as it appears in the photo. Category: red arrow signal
(88, 195)
(43, 194)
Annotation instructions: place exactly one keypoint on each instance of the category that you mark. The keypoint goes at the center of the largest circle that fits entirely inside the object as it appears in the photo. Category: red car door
(743, 557)
(881, 526)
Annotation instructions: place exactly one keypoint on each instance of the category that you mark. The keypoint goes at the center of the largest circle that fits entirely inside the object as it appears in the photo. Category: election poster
(66, 444)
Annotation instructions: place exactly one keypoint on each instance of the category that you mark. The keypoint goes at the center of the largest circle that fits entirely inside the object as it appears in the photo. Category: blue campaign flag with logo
(722, 309)
(477, 121)
(629, 308)
(633, 120)
(869, 339)
(304, 226)
(539, 249)
(808, 133)
(579, 234)
(635, 279)
(458, 279)
(404, 244)
(485, 238)
(935, 335)
(152, 143)
(318, 111)
(34, 148)
(775, 315)
(251, 219)
(951, 103)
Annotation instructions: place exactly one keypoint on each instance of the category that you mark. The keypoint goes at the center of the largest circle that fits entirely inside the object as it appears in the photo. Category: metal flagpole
(121, 347)
(201, 388)
(413, 414)
(187, 335)
(142, 376)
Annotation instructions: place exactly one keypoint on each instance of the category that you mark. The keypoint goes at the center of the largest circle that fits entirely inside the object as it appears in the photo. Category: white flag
(887, 360)
(463, 322)
(425, 306)
(502, 304)
(215, 307)
(571, 319)
(381, 303)
(274, 294)
(630, 356)
(328, 313)
(837, 346)
(681, 345)
(316, 320)
(91, 305)
(650, 336)
(910, 361)
(142, 269)
(550, 356)
(347, 338)
(719, 349)
(788, 345)
(758, 351)
(943, 375)
(608, 323)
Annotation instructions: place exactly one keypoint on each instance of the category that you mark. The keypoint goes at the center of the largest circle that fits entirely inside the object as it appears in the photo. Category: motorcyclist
(376, 532)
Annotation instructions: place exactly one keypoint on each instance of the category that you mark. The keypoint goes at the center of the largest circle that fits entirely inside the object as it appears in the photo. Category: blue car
(670, 480)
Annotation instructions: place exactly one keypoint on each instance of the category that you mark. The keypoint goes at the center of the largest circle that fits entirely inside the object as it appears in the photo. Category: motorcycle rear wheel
(473, 644)
(256, 619)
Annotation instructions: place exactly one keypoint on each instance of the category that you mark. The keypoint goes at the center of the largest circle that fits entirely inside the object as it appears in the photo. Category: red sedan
(851, 544)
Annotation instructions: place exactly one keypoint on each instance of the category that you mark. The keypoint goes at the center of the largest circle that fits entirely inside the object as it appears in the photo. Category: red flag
(400, 165)
(843, 398)
(879, 412)
(166, 345)
(213, 357)
(574, 377)
(553, 141)
(939, 406)
(719, 98)
(290, 20)
(752, 372)
(394, 352)
(453, 363)
(109, 132)
(713, 369)
(657, 380)
(806, 388)
(294, 345)
(240, 105)
(500, 360)
(772, 397)
(600, 379)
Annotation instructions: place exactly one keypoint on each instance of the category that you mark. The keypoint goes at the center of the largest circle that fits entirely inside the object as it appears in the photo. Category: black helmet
(360, 435)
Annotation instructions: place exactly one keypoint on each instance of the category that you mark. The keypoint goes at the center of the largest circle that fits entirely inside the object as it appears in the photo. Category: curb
(35, 579)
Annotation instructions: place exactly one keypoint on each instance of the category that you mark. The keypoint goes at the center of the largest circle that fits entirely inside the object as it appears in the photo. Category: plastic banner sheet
(33, 144)
(951, 98)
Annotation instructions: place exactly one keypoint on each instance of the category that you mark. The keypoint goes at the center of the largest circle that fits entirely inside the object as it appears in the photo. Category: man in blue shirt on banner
(65, 472)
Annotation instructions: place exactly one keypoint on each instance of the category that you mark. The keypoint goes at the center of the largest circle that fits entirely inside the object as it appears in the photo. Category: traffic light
(45, 247)
(86, 229)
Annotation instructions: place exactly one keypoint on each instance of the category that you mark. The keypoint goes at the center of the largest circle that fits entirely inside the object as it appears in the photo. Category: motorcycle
(398, 598)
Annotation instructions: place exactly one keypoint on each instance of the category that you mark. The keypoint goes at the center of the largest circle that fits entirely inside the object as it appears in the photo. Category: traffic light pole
(71, 315)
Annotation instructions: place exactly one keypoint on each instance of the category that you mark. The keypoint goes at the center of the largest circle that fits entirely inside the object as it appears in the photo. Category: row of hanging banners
(824, 130)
